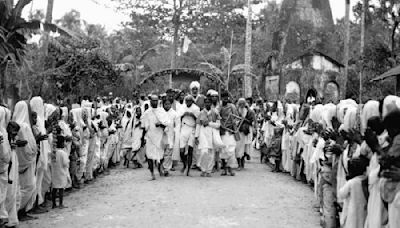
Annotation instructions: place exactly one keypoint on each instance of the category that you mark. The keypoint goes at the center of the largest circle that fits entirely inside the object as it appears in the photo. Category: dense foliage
(216, 30)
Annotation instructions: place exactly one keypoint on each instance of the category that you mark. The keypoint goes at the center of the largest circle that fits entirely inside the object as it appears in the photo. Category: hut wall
(310, 78)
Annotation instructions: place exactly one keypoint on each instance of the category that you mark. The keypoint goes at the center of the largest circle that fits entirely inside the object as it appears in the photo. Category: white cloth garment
(151, 117)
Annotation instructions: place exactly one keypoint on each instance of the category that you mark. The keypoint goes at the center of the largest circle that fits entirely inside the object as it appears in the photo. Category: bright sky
(100, 14)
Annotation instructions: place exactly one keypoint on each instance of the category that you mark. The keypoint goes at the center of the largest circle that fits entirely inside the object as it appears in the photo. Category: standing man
(169, 137)
(195, 91)
(207, 133)
(176, 107)
(154, 121)
(187, 133)
(246, 132)
(199, 101)
(228, 138)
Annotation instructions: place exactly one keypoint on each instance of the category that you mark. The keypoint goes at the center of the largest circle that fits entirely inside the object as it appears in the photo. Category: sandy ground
(255, 197)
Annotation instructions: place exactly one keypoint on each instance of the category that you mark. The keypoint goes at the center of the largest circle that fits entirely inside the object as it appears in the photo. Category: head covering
(316, 113)
(350, 119)
(195, 84)
(189, 97)
(37, 105)
(390, 103)
(153, 97)
(328, 112)
(370, 109)
(212, 92)
(49, 109)
(21, 113)
(77, 117)
(343, 106)
(242, 101)
(27, 154)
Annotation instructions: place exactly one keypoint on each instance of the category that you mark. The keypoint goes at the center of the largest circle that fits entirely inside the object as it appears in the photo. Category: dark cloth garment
(248, 122)
(275, 149)
(226, 122)
(213, 116)
(199, 101)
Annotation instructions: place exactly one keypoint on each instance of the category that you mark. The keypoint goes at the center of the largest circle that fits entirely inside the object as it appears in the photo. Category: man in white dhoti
(208, 138)
(199, 101)
(177, 106)
(243, 146)
(216, 106)
(154, 122)
(188, 128)
(169, 137)
(27, 159)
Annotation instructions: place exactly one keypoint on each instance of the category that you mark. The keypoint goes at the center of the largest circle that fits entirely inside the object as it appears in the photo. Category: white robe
(354, 208)
(154, 135)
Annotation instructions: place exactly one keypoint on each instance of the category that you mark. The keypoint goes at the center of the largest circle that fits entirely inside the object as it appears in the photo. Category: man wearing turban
(195, 92)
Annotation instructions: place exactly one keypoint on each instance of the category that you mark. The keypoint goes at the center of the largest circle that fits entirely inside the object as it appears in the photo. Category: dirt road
(255, 197)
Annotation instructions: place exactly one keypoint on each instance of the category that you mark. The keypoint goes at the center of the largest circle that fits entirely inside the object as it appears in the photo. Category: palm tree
(227, 69)
(14, 30)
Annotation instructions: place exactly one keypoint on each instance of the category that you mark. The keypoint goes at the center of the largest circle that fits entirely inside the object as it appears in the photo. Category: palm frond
(226, 55)
(239, 67)
(17, 12)
(30, 25)
(153, 51)
(59, 29)
(212, 67)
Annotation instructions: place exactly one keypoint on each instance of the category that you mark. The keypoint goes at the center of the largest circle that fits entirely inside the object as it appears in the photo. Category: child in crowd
(355, 201)
(59, 171)
(274, 151)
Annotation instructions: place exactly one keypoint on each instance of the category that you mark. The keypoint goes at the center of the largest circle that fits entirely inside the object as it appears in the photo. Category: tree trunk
(176, 24)
(45, 38)
(248, 87)
(3, 87)
(362, 42)
(396, 24)
(346, 46)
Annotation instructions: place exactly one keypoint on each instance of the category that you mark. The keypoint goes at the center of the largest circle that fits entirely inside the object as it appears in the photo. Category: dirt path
(255, 197)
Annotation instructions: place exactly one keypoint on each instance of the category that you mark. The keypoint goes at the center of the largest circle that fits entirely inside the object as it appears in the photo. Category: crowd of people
(347, 152)
(49, 148)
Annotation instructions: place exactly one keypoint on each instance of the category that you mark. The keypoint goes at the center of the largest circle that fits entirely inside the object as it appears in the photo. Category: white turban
(212, 92)
(195, 84)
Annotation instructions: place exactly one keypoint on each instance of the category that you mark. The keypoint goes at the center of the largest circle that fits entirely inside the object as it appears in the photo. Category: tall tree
(347, 40)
